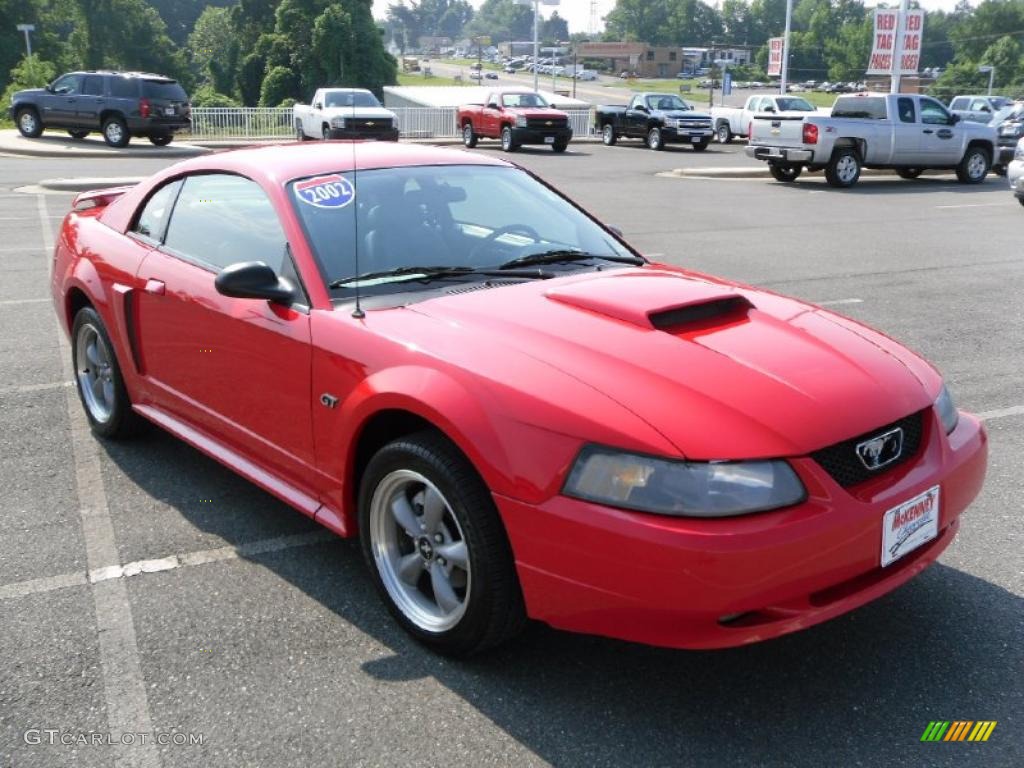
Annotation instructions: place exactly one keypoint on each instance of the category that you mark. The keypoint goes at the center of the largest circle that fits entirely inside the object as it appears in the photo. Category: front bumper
(692, 583)
(348, 133)
(687, 135)
(541, 136)
(1004, 154)
(779, 154)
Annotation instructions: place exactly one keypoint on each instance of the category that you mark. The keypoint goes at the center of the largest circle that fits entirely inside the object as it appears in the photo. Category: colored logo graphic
(958, 730)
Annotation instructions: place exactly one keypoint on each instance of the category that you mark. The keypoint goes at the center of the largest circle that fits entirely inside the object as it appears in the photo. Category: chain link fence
(276, 123)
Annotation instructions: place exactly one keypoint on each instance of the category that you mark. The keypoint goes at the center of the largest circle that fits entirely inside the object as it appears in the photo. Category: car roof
(143, 75)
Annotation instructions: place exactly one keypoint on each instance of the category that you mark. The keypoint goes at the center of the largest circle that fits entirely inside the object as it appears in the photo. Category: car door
(90, 103)
(236, 369)
(490, 116)
(59, 106)
(940, 141)
(636, 117)
(907, 136)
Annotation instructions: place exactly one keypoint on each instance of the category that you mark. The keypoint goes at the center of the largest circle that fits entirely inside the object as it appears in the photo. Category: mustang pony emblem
(881, 450)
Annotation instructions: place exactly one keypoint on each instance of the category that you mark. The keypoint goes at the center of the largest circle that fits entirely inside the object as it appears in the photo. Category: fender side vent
(704, 313)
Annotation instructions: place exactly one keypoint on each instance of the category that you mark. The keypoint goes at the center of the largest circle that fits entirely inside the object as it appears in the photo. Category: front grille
(844, 465)
(368, 125)
(546, 123)
(696, 124)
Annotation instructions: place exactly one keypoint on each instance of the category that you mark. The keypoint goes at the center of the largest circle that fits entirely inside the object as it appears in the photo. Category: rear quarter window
(124, 88)
(865, 107)
(165, 90)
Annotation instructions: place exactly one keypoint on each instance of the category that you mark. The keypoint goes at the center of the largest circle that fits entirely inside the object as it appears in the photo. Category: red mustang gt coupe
(517, 414)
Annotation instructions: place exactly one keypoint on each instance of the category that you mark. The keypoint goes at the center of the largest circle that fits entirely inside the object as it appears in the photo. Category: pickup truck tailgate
(778, 131)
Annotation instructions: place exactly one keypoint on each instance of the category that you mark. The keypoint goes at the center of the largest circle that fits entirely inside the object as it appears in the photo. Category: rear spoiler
(97, 198)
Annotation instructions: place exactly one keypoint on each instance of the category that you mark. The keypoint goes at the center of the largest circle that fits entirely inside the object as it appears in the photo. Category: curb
(763, 173)
(87, 184)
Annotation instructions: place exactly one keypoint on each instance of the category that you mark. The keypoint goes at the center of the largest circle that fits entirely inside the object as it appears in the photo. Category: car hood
(29, 92)
(685, 114)
(721, 371)
(359, 112)
(538, 112)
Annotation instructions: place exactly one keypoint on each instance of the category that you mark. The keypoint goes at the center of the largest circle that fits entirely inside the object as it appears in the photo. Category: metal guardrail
(256, 123)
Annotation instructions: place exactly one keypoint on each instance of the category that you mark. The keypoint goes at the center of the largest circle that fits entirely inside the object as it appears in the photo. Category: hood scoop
(655, 300)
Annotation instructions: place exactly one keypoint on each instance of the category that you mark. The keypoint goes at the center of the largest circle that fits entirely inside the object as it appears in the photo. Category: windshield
(350, 99)
(1009, 112)
(523, 100)
(466, 216)
(666, 103)
(787, 104)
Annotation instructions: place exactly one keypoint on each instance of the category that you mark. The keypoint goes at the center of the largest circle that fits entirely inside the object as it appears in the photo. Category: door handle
(155, 287)
(928, 130)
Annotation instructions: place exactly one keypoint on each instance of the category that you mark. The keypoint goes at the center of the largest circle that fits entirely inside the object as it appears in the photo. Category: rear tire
(469, 137)
(29, 124)
(784, 173)
(78, 134)
(723, 134)
(161, 139)
(843, 170)
(608, 135)
(461, 547)
(999, 170)
(98, 379)
(973, 167)
(909, 173)
(300, 135)
(655, 140)
(115, 132)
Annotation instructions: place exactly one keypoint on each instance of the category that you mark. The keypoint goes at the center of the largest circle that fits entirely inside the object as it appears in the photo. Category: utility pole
(785, 47)
(897, 48)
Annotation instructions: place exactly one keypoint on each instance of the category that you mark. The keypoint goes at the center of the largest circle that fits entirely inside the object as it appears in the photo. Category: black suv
(119, 104)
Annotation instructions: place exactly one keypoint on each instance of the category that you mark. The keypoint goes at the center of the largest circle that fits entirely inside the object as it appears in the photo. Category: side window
(93, 86)
(68, 85)
(906, 109)
(933, 113)
(980, 105)
(221, 220)
(123, 88)
(153, 220)
(959, 103)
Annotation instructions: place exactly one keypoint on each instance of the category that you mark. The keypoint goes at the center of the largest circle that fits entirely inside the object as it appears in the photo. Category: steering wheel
(522, 229)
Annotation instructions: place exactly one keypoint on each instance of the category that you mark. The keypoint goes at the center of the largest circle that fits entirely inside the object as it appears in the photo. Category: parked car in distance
(978, 109)
(905, 132)
(730, 122)
(119, 105)
(1015, 172)
(515, 413)
(515, 117)
(1009, 125)
(658, 119)
(491, 76)
(585, 74)
(344, 113)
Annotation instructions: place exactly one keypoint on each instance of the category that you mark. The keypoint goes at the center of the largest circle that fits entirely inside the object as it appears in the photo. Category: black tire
(494, 610)
(161, 139)
(560, 145)
(508, 143)
(784, 173)
(723, 134)
(973, 166)
(469, 137)
(325, 132)
(29, 124)
(78, 134)
(115, 132)
(909, 173)
(999, 170)
(122, 421)
(608, 135)
(655, 140)
(1020, 200)
(700, 146)
(843, 170)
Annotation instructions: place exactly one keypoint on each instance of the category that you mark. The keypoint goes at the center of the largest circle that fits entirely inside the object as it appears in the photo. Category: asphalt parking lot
(226, 617)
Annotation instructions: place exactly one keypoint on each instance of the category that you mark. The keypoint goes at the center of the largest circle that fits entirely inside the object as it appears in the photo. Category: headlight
(337, 122)
(520, 121)
(682, 488)
(946, 408)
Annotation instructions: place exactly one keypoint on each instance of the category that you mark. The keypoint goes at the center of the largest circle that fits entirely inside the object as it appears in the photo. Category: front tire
(655, 140)
(115, 132)
(29, 124)
(436, 547)
(608, 135)
(98, 379)
(843, 170)
(700, 146)
(469, 138)
(560, 145)
(973, 167)
(784, 173)
(508, 144)
(723, 133)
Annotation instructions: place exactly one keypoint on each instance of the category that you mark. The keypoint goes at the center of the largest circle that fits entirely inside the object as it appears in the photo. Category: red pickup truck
(517, 118)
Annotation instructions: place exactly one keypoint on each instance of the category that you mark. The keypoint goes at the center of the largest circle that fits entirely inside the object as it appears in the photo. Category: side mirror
(615, 231)
(954, 119)
(770, 109)
(494, 105)
(253, 280)
(318, 105)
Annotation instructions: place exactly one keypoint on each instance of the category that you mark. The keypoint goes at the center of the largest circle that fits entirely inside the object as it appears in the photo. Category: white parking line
(837, 302)
(8, 302)
(172, 562)
(999, 413)
(971, 205)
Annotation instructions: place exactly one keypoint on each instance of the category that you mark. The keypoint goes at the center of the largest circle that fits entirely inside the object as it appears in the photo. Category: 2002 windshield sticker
(326, 191)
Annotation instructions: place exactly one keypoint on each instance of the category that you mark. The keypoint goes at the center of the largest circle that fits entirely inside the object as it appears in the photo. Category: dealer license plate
(549, 139)
(911, 524)
(169, 111)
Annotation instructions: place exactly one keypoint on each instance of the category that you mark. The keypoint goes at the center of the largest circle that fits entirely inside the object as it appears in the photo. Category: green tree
(129, 34)
(502, 20)
(1005, 54)
(30, 72)
(278, 85)
(206, 46)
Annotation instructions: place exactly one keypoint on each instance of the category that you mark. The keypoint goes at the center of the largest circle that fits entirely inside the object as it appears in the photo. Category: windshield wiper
(566, 254)
(432, 273)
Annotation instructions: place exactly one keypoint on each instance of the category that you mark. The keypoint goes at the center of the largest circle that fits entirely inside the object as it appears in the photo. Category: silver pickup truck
(904, 132)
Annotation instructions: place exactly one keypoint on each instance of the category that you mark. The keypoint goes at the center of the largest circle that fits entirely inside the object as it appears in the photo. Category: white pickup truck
(907, 133)
(344, 113)
(729, 122)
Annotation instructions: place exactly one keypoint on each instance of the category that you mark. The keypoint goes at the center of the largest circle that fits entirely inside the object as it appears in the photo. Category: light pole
(536, 34)
(28, 29)
(785, 48)
(991, 75)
